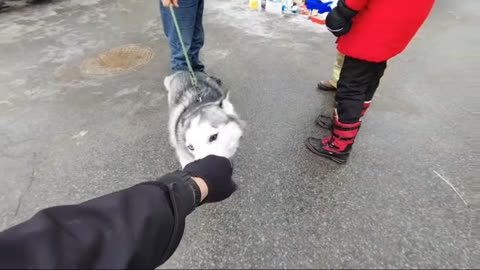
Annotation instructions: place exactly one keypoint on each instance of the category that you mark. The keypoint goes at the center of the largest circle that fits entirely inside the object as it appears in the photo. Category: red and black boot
(338, 146)
(366, 105)
(326, 122)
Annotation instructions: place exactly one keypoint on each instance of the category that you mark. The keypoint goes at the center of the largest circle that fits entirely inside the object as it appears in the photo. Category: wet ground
(408, 196)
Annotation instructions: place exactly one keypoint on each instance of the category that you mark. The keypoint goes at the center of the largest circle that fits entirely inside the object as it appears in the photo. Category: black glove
(217, 173)
(339, 20)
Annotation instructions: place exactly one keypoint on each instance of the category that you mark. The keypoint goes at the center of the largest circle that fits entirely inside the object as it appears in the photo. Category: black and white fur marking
(202, 120)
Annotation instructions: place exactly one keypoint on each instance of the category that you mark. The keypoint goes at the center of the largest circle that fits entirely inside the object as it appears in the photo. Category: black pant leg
(380, 69)
(354, 82)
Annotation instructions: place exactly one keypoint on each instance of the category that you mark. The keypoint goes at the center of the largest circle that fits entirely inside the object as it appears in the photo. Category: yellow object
(337, 68)
(253, 4)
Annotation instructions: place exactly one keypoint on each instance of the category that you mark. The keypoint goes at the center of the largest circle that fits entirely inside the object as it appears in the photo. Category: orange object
(318, 19)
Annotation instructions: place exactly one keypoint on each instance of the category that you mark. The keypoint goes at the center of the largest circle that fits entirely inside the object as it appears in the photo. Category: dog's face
(215, 131)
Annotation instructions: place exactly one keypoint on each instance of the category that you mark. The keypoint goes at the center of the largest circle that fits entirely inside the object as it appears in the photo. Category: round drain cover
(117, 60)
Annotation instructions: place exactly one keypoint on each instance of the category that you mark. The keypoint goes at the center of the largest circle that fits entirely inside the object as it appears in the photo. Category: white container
(289, 3)
(274, 6)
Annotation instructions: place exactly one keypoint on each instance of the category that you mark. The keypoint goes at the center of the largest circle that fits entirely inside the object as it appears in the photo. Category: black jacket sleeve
(139, 227)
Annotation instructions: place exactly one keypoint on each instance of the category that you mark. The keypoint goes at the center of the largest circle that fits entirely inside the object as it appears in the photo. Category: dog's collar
(188, 110)
(200, 102)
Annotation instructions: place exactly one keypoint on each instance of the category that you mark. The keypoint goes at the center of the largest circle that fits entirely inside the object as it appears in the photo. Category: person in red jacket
(370, 32)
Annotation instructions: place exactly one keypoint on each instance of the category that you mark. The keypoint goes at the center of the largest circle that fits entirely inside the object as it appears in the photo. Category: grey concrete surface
(66, 137)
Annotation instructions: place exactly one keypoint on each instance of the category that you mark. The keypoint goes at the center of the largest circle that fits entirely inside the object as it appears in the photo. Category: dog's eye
(190, 147)
(213, 137)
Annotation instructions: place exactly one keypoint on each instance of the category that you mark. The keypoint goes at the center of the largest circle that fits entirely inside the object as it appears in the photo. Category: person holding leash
(189, 14)
(138, 227)
(369, 33)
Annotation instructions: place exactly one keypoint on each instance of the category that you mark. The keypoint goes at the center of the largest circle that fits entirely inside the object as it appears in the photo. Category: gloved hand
(217, 173)
(339, 20)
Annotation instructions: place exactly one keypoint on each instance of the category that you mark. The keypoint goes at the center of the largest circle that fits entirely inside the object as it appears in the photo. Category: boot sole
(311, 148)
(326, 88)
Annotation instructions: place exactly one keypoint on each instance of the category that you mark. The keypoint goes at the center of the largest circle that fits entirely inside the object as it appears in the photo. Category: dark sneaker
(324, 121)
(217, 80)
(3, 5)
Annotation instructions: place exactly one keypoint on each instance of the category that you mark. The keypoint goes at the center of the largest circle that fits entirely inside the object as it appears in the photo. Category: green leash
(193, 78)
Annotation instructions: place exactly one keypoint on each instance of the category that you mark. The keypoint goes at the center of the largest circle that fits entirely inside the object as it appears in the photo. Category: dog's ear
(167, 81)
(176, 82)
(226, 98)
(226, 105)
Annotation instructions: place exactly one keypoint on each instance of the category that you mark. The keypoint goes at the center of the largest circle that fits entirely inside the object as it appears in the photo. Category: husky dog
(202, 121)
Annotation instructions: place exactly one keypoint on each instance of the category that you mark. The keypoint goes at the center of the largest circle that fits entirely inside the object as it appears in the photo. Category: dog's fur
(202, 121)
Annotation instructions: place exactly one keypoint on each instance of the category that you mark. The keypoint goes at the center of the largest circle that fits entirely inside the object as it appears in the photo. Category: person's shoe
(338, 146)
(326, 122)
(3, 5)
(326, 86)
(217, 80)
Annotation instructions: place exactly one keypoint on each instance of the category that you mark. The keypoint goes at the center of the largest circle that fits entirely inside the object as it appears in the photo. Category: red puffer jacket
(382, 28)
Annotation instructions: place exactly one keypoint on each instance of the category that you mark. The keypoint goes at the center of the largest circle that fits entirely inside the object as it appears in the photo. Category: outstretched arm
(139, 227)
